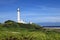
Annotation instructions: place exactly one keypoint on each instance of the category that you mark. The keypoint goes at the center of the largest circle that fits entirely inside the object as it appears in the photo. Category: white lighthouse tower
(18, 18)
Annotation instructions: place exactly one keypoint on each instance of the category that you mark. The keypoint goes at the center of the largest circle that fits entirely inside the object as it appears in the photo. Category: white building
(19, 16)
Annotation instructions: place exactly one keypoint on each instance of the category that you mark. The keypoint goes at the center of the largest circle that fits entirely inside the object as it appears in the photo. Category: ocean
(50, 24)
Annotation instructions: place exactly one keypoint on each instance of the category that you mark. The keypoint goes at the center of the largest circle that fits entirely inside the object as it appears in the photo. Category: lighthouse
(18, 18)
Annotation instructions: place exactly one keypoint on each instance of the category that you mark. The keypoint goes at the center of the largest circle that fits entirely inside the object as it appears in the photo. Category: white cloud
(47, 19)
(43, 19)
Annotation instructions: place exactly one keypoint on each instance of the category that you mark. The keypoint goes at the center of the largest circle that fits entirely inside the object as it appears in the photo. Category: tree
(9, 21)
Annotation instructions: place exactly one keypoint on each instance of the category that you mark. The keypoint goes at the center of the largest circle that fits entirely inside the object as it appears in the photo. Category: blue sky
(31, 10)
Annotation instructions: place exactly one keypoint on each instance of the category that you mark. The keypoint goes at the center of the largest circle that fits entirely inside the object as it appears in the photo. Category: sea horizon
(49, 24)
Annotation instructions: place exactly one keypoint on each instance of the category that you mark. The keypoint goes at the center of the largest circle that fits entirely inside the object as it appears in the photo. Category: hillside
(13, 25)
(11, 30)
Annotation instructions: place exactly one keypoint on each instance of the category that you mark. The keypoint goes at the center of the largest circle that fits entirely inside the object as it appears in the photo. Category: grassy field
(12, 31)
(26, 34)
